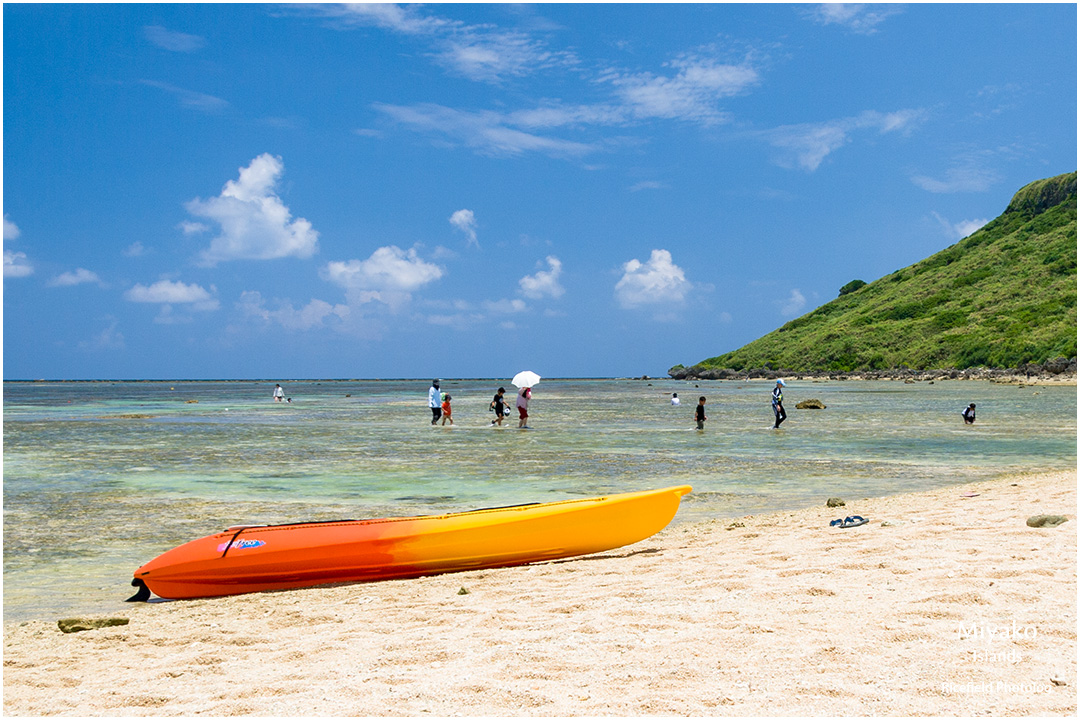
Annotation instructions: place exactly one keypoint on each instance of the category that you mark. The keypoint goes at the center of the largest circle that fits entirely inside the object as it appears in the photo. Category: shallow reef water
(100, 477)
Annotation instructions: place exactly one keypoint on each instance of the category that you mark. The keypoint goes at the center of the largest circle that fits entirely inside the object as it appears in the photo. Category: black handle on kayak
(142, 595)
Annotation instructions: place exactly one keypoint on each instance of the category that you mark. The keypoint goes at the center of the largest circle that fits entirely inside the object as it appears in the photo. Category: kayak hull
(279, 557)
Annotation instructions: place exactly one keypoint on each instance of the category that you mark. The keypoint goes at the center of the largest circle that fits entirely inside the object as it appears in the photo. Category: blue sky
(235, 191)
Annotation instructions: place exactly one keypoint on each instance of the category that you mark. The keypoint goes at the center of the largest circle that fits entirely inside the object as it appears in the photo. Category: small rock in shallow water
(835, 502)
(1037, 521)
(812, 404)
(70, 625)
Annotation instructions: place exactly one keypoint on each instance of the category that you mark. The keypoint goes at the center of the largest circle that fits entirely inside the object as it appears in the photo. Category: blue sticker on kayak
(242, 545)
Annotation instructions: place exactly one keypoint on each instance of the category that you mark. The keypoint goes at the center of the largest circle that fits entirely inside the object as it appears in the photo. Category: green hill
(1002, 297)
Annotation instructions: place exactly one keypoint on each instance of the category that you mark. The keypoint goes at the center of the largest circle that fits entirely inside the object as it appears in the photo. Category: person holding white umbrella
(524, 381)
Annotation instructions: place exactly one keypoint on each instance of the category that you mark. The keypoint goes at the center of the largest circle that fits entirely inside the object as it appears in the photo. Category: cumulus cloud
(807, 145)
(793, 305)
(255, 224)
(78, 276)
(465, 221)
(315, 314)
(193, 228)
(11, 230)
(16, 264)
(859, 18)
(544, 283)
(173, 293)
(959, 230)
(656, 281)
(389, 276)
(135, 249)
(172, 40)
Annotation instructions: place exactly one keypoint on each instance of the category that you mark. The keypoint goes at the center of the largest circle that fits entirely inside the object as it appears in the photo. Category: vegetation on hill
(1002, 297)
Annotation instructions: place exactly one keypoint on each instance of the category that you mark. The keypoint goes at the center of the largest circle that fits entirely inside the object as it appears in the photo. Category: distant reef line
(1060, 370)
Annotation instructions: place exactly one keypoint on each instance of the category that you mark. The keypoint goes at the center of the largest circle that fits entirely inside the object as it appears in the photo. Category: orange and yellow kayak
(245, 559)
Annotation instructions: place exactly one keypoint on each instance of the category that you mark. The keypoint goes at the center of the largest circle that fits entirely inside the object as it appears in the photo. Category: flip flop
(854, 521)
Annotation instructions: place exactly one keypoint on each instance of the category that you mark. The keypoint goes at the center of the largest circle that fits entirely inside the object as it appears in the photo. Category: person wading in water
(778, 403)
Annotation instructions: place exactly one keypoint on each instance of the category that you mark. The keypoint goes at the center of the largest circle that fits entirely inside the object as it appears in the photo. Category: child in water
(699, 413)
(446, 410)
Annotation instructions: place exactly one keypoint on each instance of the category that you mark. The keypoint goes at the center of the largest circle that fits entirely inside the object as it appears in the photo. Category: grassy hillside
(1002, 297)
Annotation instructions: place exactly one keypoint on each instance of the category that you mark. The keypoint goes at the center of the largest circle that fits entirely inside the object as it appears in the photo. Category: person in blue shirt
(778, 403)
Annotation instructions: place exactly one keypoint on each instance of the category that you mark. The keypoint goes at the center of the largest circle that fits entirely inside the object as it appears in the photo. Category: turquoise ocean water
(101, 477)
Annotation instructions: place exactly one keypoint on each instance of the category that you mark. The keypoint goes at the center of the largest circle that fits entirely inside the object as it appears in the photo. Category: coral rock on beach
(71, 625)
(1038, 521)
(812, 404)
(835, 502)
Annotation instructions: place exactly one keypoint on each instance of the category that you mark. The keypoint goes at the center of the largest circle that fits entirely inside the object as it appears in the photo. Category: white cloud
(11, 230)
(489, 133)
(966, 177)
(544, 283)
(465, 221)
(858, 18)
(172, 40)
(807, 145)
(78, 276)
(656, 281)
(490, 56)
(173, 293)
(960, 230)
(107, 339)
(389, 276)
(314, 314)
(16, 264)
(255, 223)
(135, 249)
(793, 305)
(193, 228)
(968, 227)
(190, 98)
(477, 52)
(404, 19)
(505, 307)
(691, 93)
(646, 185)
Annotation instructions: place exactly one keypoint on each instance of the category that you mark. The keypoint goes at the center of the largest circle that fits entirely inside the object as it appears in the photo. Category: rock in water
(812, 404)
(70, 625)
(1038, 521)
(835, 502)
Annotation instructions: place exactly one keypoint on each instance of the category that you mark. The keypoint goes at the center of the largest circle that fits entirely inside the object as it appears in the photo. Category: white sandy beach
(955, 607)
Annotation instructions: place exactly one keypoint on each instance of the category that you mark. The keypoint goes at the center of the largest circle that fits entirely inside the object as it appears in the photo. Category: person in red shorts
(524, 394)
(446, 410)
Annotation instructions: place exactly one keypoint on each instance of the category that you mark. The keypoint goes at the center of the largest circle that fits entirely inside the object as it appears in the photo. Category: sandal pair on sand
(850, 522)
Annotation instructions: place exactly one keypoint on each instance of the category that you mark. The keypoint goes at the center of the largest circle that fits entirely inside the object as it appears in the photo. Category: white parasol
(525, 378)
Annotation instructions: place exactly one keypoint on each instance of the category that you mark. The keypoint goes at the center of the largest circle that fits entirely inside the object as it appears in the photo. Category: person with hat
(435, 401)
(778, 403)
